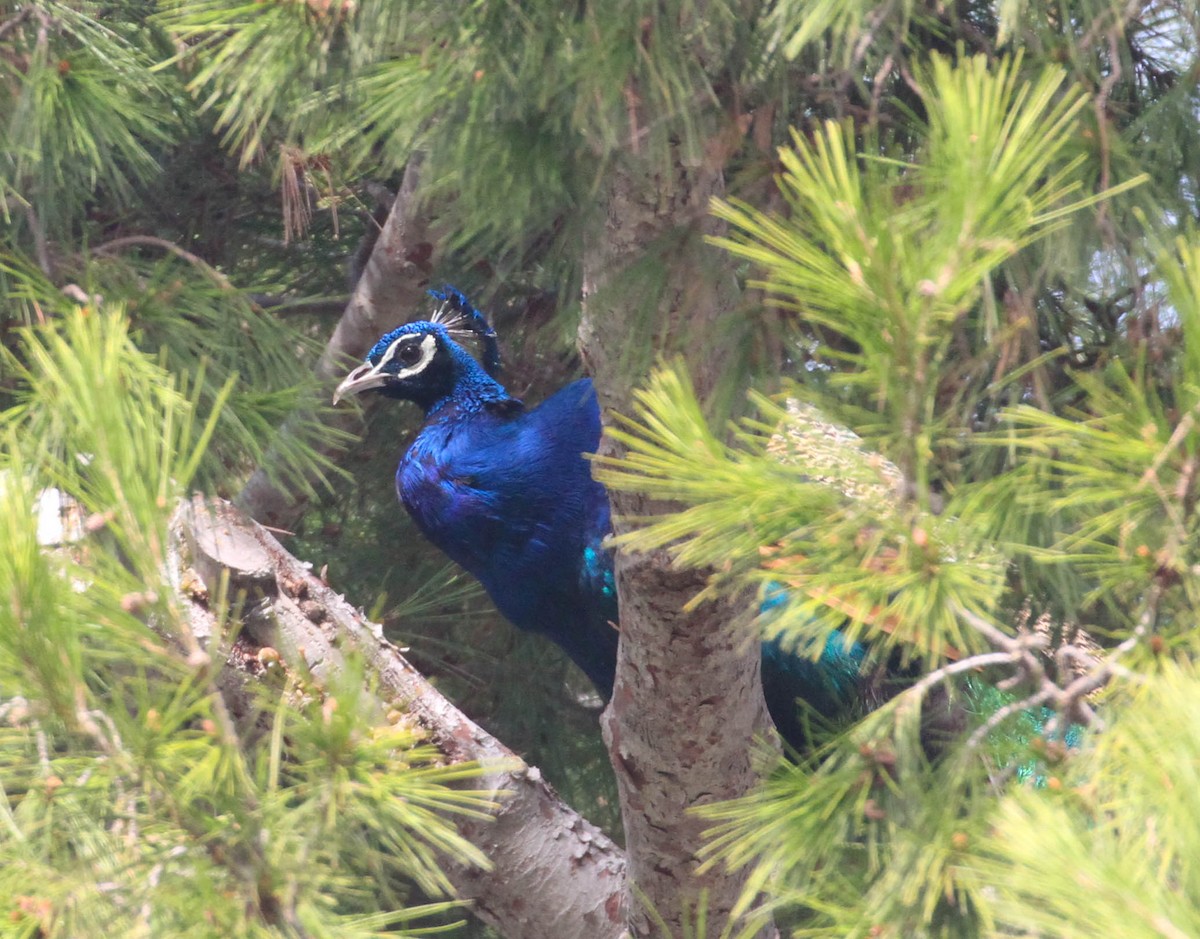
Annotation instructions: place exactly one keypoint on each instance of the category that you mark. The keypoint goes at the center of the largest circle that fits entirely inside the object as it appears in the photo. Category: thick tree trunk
(688, 696)
(553, 875)
(392, 285)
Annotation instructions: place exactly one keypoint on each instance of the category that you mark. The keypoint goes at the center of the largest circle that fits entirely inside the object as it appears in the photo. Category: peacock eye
(409, 354)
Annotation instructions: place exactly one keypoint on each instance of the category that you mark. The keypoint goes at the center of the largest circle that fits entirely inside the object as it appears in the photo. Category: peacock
(507, 493)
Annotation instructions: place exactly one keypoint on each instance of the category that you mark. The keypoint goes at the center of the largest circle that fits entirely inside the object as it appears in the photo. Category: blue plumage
(507, 493)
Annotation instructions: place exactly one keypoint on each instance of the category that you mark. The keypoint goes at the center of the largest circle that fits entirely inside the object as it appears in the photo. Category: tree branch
(392, 283)
(688, 694)
(553, 874)
(150, 241)
(15, 20)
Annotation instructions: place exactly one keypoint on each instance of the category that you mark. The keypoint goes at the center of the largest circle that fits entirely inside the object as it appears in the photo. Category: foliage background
(184, 188)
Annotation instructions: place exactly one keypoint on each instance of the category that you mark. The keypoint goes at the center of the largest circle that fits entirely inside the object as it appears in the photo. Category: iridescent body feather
(507, 493)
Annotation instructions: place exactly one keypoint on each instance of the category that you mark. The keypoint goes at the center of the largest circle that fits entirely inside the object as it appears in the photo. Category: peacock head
(422, 362)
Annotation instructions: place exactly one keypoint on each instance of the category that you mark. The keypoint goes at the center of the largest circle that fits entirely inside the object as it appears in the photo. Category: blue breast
(508, 495)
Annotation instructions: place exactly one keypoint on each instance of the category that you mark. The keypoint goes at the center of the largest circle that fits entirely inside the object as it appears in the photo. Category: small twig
(912, 82)
(15, 710)
(147, 910)
(1021, 648)
(877, 84)
(1182, 430)
(1068, 703)
(962, 665)
(867, 39)
(1131, 9)
(126, 822)
(632, 101)
(44, 23)
(1036, 699)
(41, 248)
(151, 241)
(1101, 106)
(1070, 700)
(113, 741)
(1072, 703)
(14, 21)
(279, 531)
(1070, 658)
(1145, 621)
(87, 723)
(43, 748)
(864, 46)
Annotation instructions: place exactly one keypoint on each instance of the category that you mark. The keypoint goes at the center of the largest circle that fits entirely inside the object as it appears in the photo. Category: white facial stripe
(389, 352)
(428, 348)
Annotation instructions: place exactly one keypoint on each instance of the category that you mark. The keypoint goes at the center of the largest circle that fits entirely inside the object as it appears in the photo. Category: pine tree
(949, 250)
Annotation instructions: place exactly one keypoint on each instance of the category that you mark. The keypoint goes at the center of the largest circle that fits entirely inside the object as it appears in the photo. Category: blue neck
(470, 387)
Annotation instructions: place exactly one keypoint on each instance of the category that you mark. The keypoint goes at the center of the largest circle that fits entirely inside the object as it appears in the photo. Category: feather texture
(508, 494)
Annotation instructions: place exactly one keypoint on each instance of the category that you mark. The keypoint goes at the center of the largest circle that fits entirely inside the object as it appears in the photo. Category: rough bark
(392, 284)
(688, 695)
(553, 874)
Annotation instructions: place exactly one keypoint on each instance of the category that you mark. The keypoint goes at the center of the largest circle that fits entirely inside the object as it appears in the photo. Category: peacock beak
(363, 378)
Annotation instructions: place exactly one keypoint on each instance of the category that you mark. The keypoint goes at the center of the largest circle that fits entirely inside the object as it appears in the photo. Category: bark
(553, 875)
(688, 696)
(392, 284)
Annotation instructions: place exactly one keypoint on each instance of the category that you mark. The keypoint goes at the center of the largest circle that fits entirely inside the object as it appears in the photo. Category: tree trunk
(688, 696)
(392, 284)
(553, 875)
